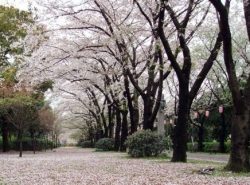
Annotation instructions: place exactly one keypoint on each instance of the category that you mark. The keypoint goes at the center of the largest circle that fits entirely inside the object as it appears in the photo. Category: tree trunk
(111, 123)
(109, 130)
(124, 131)
(20, 140)
(5, 133)
(46, 142)
(52, 137)
(135, 113)
(147, 113)
(201, 133)
(33, 142)
(91, 133)
(118, 130)
(200, 138)
(180, 129)
(133, 109)
(239, 157)
(247, 15)
(99, 133)
(161, 123)
(222, 148)
(56, 141)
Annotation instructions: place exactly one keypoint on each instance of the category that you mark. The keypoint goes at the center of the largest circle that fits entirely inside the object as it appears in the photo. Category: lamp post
(222, 130)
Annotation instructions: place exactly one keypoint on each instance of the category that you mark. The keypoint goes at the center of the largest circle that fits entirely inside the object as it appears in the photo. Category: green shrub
(105, 144)
(228, 146)
(167, 142)
(145, 143)
(40, 144)
(79, 142)
(192, 147)
(86, 144)
(209, 147)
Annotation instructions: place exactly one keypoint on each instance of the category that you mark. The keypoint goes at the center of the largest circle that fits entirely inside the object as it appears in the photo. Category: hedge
(40, 144)
(210, 147)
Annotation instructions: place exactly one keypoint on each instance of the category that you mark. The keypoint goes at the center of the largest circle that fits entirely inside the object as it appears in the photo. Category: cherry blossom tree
(179, 17)
(239, 157)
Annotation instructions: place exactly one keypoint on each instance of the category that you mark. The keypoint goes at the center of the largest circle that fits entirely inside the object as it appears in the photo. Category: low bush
(209, 147)
(228, 146)
(168, 143)
(40, 144)
(86, 144)
(105, 144)
(192, 147)
(145, 143)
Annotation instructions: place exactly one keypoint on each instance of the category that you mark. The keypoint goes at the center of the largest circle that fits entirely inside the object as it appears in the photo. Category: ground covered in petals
(85, 166)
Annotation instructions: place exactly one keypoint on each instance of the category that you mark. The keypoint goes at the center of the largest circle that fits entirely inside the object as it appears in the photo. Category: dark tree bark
(118, 130)
(20, 140)
(152, 94)
(91, 131)
(124, 129)
(180, 130)
(222, 137)
(147, 113)
(239, 156)
(135, 112)
(110, 128)
(134, 116)
(183, 72)
(201, 132)
(107, 129)
(5, 134)
(57, 141)
(200, 138)
(32, 134)
(99, 115)
(247, 15)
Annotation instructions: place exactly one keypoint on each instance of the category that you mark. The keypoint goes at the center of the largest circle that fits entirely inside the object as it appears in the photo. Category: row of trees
(112, 61)
(23, 110)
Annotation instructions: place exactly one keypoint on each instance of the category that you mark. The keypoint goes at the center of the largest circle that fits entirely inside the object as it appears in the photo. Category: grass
(161, 157)
(1, 182)
(219, 167)
(195, 161)
(220, 170)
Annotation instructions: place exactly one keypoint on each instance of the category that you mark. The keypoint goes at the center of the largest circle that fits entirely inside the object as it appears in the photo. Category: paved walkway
(223, 158)
(213, 157)
(73, 166)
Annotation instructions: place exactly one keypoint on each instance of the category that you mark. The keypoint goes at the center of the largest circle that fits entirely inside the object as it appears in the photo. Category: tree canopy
(13, 28)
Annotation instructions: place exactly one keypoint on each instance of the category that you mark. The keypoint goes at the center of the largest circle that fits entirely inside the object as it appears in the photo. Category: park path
(72, 166)
(213, 157)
